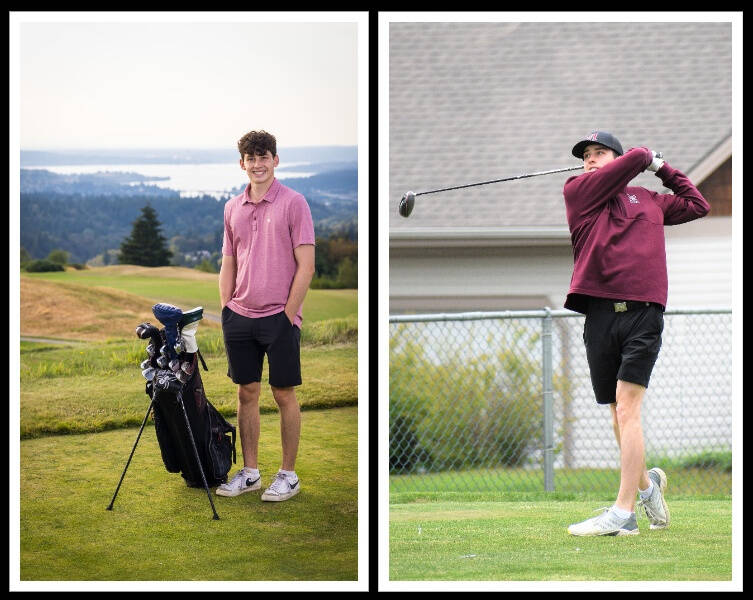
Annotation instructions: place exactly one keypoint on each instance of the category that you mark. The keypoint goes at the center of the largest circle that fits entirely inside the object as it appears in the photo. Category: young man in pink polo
(267, 266)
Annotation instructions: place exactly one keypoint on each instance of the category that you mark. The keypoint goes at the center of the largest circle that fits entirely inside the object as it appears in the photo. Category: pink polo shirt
(262, 238)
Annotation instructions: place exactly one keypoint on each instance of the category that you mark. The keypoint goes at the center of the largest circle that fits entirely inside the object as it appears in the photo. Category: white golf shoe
(607, 523)
(655, 506)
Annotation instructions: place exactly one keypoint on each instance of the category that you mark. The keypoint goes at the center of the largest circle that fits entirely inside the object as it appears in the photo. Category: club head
(146, 330)
(150, 349)
(406, 204)
(148, 373)
(162, 362)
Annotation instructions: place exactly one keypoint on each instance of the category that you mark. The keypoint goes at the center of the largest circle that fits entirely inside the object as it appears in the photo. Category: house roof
(471, 102)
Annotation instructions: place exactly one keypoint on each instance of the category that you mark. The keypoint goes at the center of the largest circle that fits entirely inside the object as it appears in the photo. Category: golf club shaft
(216, 517)
(457, 187)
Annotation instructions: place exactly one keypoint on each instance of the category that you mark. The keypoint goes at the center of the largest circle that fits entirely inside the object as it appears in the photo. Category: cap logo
(594, 136)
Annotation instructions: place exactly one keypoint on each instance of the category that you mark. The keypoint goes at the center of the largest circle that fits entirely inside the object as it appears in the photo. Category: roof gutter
(427, 237)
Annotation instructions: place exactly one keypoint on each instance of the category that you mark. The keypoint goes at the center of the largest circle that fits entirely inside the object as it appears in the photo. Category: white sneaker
(241, 482)
(607, 523)
(655, 506)
(281, 489)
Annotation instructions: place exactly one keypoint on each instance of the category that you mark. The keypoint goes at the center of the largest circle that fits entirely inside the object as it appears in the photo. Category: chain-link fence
(503, 401)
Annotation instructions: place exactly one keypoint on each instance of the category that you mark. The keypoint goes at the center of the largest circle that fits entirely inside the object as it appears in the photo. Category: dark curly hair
(257, 143)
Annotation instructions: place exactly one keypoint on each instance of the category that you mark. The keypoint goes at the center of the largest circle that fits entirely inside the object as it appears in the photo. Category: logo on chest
(633, 199)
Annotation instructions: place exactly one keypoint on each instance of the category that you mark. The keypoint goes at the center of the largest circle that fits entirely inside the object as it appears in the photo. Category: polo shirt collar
(269, 196)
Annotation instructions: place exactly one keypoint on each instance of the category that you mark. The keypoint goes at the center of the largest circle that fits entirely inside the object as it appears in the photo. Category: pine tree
(146, 245)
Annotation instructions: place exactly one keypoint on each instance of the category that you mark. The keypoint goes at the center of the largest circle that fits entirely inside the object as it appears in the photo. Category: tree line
(90, 222)
(336, 256)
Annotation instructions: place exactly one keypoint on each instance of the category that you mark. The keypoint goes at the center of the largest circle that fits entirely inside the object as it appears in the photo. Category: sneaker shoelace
(647, 508)
(604, 512)
(280, 485)
(238, 476)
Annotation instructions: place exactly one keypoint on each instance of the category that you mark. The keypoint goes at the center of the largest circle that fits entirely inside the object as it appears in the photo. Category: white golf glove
(657, 163)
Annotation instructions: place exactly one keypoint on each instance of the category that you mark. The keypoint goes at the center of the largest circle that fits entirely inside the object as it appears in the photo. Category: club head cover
(166, 381)
(146, 330)
(170, 317)
(189, 323)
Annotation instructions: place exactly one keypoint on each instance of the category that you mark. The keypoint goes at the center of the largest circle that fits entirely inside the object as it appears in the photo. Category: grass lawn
(480, 482)
(188, 288)
(161, 530)
(527, 540)
(81, 404)
(99, 386)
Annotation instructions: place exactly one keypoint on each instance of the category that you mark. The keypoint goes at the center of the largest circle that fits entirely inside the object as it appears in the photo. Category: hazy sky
(198, 84)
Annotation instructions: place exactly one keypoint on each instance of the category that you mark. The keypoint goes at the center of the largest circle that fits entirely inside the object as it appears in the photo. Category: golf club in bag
(409, 198)
(194, 438)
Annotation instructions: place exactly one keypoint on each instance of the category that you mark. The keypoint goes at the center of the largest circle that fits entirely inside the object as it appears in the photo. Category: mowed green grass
(97, 387)
(189, 288)
(162, 530)
(684, 480)
(527, 540)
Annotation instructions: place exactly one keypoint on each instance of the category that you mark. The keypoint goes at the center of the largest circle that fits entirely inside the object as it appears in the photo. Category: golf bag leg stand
(196, 454)
(146, 416)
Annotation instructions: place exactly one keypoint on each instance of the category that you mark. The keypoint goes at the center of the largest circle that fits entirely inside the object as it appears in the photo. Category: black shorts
(621, 344)
(247, 340)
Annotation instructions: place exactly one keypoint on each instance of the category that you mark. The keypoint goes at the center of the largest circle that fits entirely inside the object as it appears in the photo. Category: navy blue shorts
(247, 340)
(621, 344)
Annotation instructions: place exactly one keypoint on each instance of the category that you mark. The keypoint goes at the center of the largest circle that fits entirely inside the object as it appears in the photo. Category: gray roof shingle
(471, 102)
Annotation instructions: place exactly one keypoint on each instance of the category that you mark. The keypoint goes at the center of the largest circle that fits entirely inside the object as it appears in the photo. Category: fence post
(547, 375)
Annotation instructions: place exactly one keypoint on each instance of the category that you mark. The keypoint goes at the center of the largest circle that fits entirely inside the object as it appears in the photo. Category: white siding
(511, 272)
(699, 263)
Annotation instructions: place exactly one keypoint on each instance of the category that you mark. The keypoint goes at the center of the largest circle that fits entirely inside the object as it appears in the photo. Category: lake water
(213, 179)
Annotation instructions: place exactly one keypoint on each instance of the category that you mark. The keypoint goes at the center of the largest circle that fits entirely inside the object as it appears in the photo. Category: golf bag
(195, 440)
(213, 435)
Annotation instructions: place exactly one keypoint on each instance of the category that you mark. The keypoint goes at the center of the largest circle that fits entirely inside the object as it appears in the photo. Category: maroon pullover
(617, 232)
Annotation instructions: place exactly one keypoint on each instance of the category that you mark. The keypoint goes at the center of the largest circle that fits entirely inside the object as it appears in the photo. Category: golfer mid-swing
(620, 283)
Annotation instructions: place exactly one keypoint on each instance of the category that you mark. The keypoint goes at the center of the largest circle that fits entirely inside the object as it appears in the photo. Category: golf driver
(408, 200)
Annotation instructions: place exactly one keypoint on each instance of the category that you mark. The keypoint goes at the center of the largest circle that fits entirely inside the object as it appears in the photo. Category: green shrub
(206, 266)
(43, 265)
(59, 256)
(406, 455)
(470, 411)
(324, 283)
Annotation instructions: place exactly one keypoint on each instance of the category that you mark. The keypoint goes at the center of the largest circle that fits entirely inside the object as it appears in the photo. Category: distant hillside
(91, 184)
(90, 214)
(86, 313)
